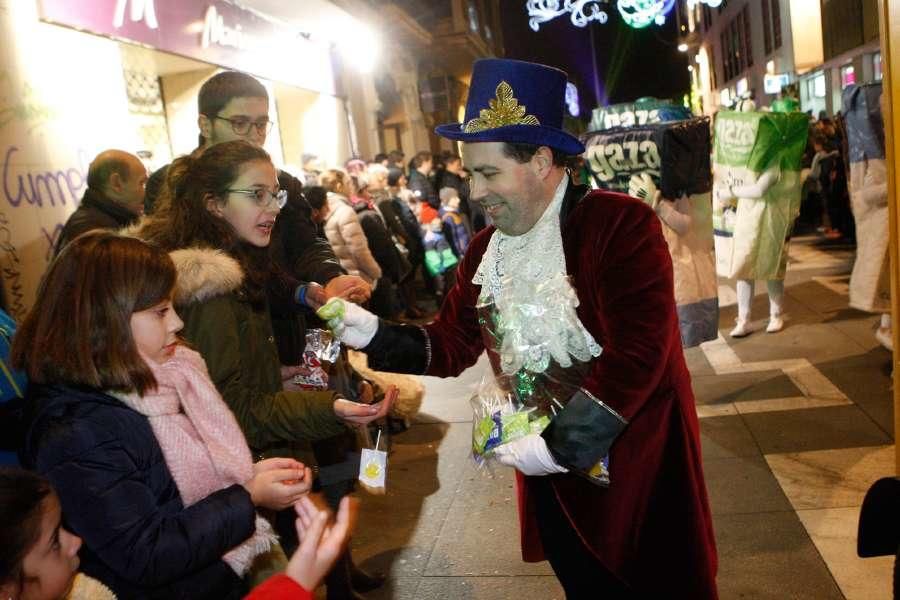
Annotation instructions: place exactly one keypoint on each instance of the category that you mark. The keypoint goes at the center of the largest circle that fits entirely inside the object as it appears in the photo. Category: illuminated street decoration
(583, 11)
(572, 99)
(635, 13)
(641, 13)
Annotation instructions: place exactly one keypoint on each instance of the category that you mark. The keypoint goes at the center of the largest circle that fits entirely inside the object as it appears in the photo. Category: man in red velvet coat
(649, 533)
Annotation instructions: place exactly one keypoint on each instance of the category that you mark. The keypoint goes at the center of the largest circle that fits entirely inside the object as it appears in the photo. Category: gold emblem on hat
(503, 110)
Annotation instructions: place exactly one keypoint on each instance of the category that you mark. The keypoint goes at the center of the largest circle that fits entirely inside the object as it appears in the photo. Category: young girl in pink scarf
(150, 466)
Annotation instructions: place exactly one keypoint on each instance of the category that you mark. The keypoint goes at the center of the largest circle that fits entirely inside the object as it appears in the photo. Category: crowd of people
(174, 441)
(825, 196)
(170, 439)
(171, 433)
(394, 224)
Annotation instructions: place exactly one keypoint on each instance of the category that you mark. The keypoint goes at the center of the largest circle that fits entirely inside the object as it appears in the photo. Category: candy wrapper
(502, 414)
(321, 352)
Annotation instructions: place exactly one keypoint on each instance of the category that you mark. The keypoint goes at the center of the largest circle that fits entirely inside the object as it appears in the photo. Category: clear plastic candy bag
(502, 413)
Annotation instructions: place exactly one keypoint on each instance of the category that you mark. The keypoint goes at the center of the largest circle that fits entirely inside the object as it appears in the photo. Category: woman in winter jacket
(343, 230)
(151, 469)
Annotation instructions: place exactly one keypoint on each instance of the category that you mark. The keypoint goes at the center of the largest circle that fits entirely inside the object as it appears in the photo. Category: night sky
(632, 62)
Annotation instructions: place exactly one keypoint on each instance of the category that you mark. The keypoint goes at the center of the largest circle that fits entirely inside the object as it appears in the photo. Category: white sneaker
(742, 329)
(776, 324)
(885, 337)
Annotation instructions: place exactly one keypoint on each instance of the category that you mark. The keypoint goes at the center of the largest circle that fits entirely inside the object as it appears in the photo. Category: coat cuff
(399, 349)
(582, 432)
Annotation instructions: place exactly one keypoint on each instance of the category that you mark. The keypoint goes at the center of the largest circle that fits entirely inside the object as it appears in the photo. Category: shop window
(848, 76)
(818, 86)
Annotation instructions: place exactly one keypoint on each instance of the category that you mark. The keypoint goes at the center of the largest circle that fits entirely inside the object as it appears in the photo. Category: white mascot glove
(529, 455)
(351, 324)
(641, 186)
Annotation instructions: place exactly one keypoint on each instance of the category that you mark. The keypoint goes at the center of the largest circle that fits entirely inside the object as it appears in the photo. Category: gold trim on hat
(504, 110)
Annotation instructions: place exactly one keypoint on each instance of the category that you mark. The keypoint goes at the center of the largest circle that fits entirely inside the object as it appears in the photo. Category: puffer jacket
(118, 495)
(236, 340)
(348, 239)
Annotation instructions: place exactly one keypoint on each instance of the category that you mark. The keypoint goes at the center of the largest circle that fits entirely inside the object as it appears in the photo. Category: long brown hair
(79, 330)
(183, 219)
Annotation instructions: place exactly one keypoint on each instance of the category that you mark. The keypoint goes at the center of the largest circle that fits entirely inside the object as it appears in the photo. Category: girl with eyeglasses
(216, 218)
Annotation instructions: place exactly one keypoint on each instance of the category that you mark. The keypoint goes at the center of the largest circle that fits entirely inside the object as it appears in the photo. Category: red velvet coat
(652, 526)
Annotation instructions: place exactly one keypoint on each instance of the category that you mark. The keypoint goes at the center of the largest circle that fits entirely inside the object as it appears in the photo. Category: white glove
(641, 186)
(351, 324)
(529, 455)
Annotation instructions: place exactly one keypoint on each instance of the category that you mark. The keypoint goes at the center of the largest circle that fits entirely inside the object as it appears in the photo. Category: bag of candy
(321, 352)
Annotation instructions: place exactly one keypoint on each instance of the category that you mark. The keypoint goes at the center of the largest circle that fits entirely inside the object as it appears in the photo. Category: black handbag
(879, 520)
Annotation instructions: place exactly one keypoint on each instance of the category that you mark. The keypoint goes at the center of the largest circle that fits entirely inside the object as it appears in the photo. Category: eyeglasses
(241, 125)
(264, 198)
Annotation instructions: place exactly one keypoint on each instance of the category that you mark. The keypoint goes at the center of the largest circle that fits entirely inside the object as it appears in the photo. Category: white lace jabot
(525, 277)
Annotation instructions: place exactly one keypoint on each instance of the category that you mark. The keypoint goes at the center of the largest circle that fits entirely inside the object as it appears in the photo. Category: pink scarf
(201, 441)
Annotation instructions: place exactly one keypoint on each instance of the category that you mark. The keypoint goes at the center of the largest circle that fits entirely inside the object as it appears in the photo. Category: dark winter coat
(423, 189)
(380, 243)
(118, 495)
(236, 340)
(96, 211)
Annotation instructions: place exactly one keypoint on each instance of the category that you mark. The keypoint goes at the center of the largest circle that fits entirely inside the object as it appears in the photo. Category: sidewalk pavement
(795, 427)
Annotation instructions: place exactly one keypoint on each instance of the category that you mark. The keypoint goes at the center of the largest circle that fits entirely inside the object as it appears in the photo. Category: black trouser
(582, 576)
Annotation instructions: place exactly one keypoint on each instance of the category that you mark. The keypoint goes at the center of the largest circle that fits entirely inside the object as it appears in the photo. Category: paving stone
(742, 485)
(726, 437)
(765, 556)
(814, 429)
(736, 387)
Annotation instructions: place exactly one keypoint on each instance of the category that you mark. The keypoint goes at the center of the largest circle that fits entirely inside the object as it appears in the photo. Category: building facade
(82, 77)
(809, 49)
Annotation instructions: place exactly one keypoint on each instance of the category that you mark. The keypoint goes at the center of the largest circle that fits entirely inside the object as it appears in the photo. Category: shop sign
(215, 31)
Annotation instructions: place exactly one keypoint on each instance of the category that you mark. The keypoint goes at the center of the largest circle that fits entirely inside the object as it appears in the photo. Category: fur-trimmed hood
(204, 273)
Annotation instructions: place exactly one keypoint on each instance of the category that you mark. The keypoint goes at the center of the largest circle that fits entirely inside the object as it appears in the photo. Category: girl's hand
(277, 489)
(288, 372)
(321, 543)
(270, 464)
(356, 413)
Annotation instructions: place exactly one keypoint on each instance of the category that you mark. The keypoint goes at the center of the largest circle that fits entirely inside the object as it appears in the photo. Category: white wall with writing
(62, 101)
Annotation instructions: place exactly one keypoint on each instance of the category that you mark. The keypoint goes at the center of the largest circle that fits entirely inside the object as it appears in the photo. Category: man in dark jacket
(113, 199)
(419, 182)
(404, 226)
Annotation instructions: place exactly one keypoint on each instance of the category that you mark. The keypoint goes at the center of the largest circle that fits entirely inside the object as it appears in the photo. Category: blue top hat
(515, 101)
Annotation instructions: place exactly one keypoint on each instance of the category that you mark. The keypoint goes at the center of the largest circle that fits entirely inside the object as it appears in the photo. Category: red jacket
(652, 526)
(279, 587)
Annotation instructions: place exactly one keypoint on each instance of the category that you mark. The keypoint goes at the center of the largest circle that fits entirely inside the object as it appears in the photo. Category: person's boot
(741, 329)
(338, 582)
(776, 324)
